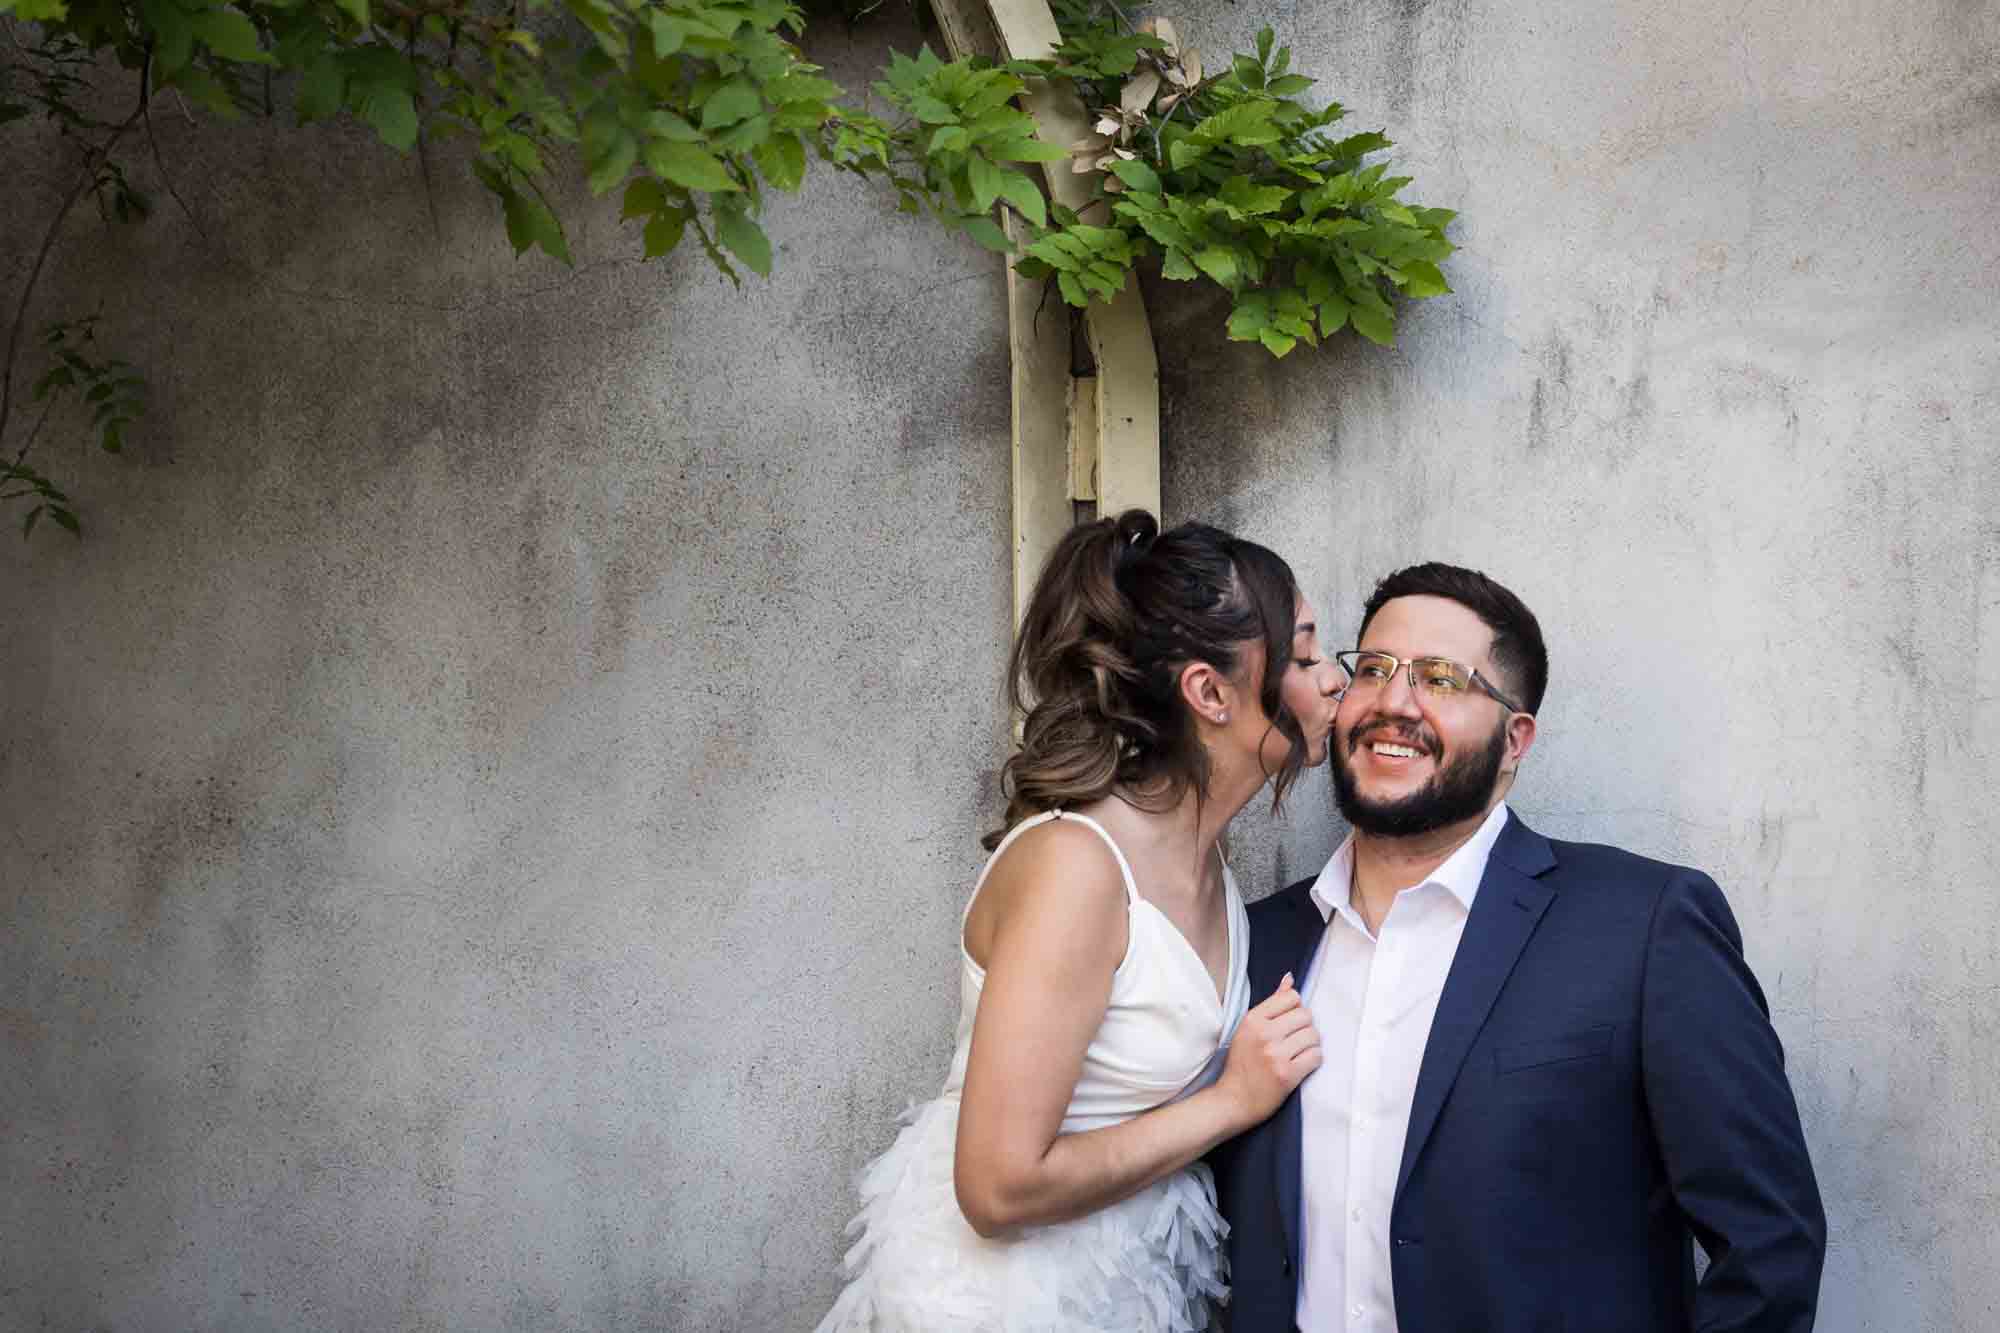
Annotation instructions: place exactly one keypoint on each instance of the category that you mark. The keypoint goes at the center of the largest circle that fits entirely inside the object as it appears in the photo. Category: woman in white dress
(1103, 1039)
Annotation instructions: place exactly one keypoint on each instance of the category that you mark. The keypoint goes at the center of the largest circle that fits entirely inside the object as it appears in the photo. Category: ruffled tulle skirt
(1152, 1263)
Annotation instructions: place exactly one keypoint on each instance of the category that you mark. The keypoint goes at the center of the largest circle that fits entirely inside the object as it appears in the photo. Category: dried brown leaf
(1138, 94)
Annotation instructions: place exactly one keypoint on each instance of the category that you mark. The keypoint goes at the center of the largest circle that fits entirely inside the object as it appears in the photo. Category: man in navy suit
(1547, 1068)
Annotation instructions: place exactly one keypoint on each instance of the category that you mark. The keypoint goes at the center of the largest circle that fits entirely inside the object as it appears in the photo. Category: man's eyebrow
(1305, 627)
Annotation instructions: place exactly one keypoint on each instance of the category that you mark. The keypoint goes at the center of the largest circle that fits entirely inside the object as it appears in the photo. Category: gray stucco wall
(486, 809)
(486, 806)
(1719, 394)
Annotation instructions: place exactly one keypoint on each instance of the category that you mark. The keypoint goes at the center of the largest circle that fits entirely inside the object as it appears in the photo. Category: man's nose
(1398, 696)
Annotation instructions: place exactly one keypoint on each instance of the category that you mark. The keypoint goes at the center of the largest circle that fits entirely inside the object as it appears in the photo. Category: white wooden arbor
(1076, 437)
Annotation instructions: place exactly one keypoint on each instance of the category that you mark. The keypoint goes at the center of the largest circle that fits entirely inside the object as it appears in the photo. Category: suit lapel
(1505, 912)
(1309, 925)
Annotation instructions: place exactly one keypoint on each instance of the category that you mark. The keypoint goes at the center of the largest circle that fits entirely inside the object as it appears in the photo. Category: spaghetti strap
(1124, 866)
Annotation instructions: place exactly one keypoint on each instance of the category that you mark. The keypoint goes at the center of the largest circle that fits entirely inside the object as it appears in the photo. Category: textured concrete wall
(1719, 394)
(486, 809)
(481, 801)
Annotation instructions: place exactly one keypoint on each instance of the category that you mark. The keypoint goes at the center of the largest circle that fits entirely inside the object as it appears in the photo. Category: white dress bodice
(1165, 1032)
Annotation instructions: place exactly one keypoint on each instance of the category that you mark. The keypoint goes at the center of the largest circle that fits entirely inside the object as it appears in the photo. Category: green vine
(692, 110)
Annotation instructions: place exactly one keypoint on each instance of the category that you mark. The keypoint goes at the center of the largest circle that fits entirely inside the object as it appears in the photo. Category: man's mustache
(1421, 738)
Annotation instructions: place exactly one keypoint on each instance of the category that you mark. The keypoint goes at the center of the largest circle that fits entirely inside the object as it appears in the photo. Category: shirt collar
(1458, 876)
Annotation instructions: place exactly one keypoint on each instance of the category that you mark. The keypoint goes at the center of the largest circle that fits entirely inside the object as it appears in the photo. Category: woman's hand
(1275, 1047)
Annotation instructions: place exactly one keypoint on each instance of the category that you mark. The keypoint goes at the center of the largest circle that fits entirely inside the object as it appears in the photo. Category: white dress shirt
(1372, 998)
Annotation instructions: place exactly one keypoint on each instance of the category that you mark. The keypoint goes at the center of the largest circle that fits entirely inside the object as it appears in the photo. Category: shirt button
(1358, 1311)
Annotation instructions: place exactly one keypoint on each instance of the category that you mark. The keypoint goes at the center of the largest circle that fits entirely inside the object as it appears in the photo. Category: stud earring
(1223, 717)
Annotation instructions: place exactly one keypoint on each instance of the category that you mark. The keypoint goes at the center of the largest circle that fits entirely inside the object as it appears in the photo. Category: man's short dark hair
(1518, 652)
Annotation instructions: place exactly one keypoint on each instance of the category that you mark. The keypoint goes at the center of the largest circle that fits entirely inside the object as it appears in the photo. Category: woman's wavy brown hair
(1119, 609)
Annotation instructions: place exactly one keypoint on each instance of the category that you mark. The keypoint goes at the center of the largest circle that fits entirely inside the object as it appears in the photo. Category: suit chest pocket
(1568, 1050)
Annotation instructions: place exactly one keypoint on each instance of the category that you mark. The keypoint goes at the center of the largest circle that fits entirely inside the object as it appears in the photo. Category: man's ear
(1207, 693)
(1521, 732)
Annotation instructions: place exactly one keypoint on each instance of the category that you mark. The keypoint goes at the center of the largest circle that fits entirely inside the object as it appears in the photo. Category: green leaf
(782, 159)
(1333, 312)
(1265, 37)
(1278, 343)
(354, 9)
(1025, 150)
(1251, 316)
(1072, 290)
(56, 377)
(1054, 255)
(1248, 72)
(393, 113)
(984, 178)
(1137, 175)
(321, 87)
(231, 35)
(733, 101)
(1291, 85)
(1375, 325)
(66, 518)
(931, 111)
(668, 34)
(201, 87)
(643, 196)
(1245, 123)
(1019, 191)
(173, 37)
(745, 137)
(796, 87)
(1423, 279)
(1218, 264)
(664, 230)
(1252, 200)
(36, 11)
(666, 125)
(987, 232)
(689, 167)
(1178, 266)
(28, 524)
(529, 221)
(745, 239)
(612, 165)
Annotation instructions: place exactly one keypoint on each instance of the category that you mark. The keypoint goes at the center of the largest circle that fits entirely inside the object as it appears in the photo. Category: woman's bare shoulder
(1059, 876)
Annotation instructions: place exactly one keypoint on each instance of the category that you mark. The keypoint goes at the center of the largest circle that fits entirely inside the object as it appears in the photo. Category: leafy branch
(691, 110)
(1249, 190)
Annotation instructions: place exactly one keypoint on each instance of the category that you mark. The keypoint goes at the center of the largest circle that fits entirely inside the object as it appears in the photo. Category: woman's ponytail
(1118, 610)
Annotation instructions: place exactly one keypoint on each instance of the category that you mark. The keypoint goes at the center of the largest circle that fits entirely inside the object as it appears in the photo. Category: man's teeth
(1394, 751)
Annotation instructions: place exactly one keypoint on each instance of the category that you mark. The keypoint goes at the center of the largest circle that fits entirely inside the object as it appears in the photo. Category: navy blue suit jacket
(1601, 1087)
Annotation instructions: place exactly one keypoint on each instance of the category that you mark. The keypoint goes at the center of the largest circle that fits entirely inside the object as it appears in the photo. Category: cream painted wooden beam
(1097, 441)
(1127, 401)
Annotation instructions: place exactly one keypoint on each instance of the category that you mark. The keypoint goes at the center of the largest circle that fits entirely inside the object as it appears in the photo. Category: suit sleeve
(1725, 1121)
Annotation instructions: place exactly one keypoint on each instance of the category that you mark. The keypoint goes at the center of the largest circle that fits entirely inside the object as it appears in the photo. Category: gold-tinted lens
(1440, 676)
(1366, 669)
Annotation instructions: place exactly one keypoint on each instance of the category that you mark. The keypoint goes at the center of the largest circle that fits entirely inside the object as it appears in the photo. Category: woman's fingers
(1280, 1000)
(1297, 1044)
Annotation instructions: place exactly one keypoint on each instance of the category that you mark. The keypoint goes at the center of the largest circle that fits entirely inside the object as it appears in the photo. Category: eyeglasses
(1433, 677)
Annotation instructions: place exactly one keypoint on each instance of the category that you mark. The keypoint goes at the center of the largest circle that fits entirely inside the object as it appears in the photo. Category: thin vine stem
(87, 178)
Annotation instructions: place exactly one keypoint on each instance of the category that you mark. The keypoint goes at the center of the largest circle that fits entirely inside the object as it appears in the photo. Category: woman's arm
(1052, 935)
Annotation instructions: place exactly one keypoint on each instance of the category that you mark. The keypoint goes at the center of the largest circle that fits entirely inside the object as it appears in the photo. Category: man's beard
(1458, 791)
